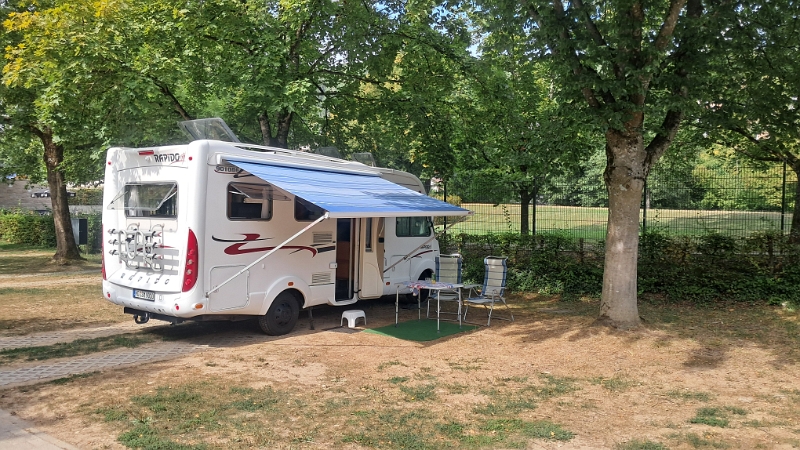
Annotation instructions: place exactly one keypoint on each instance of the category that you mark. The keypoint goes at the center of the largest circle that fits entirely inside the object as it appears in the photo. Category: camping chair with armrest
(448, 270)
(493, 290)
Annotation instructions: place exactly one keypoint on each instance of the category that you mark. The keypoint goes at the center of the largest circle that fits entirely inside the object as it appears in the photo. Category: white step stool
(352, 316)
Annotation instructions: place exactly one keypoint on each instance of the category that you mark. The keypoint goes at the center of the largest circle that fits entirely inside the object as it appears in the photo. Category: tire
(424, 293)
(281, 317)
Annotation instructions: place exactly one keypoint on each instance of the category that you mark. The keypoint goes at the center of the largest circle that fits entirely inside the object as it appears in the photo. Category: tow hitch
(141, 318)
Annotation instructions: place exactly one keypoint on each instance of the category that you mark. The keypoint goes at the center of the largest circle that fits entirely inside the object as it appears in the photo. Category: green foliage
(714, 417)
(87, 197)
(27, 228)
(145, 437)
(419, 393)
(452, 199)
(545, 263)
(762, 268)
(541, 429)
(94, 223)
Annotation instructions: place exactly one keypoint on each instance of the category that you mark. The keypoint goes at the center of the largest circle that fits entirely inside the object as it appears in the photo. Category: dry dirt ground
(723, 377)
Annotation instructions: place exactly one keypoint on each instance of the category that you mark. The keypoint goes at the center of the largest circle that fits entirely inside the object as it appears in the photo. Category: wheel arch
(297, 287)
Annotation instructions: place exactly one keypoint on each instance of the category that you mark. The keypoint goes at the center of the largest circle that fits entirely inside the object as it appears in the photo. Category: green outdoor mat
(420, 330)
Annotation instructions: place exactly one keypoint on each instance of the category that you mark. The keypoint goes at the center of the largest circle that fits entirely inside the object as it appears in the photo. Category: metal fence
(690, 203)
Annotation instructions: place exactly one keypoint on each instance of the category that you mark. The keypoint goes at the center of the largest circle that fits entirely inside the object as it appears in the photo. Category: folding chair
(448, 270)
(494, 286)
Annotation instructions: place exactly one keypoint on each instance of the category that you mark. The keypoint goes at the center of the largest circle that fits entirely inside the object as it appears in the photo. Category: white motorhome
(217, 229)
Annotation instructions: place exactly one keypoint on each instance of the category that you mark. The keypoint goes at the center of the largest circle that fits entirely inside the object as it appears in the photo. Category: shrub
(708, 268)
(27, 228)
(89, 196)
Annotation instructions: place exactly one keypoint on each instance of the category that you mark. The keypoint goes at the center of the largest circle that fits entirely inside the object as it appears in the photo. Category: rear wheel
(281, 317)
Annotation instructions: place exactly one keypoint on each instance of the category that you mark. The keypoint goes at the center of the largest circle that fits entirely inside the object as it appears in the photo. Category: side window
(413, 227)
(305, 211)
(249, 201)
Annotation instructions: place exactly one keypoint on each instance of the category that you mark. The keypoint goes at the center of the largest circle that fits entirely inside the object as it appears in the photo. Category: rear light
(147, 152)
(190, 268)
(103, 254)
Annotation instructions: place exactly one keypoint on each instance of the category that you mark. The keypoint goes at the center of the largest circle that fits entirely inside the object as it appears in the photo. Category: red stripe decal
(236, 249)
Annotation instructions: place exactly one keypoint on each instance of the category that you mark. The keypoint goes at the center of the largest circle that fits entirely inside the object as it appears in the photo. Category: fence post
(644, 207)
(783, 199)
(533, 207)
(444, 188)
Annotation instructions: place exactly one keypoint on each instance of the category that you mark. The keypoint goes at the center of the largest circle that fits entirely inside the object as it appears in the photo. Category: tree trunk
(527, 224)
(283, 125)
(794, 231)
(524, 211)
(66, 248)
(266, 129)
(624, 177)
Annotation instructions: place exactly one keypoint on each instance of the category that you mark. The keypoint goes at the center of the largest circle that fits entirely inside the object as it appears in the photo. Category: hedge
(29, 228)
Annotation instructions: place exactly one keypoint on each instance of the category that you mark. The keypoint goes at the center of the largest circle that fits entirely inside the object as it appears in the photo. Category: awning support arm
(324, 216)
(405, 258)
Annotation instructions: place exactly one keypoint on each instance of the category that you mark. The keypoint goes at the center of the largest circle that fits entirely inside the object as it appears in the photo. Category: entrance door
(370, 278)
(344, 259)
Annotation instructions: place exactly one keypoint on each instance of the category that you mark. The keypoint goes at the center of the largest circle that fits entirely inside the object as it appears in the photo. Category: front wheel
(281, 317)
(424, 293)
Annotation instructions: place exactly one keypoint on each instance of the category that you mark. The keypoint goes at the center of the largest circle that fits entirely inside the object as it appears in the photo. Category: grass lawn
(590, 223)
(712, 376)
(19, 259)
(37, 295)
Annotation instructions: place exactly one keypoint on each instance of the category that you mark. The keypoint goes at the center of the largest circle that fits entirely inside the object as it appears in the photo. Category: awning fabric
(349, 195)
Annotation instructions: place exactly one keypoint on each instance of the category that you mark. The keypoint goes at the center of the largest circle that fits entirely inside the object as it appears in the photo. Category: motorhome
(217, 229)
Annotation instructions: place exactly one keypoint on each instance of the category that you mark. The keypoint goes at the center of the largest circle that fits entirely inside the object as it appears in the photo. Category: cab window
(413, 227)
(305, 211)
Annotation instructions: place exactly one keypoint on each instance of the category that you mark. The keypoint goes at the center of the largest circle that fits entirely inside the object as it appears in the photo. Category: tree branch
(563, 41)
(661, 142)
(176, 104)
(670, 22)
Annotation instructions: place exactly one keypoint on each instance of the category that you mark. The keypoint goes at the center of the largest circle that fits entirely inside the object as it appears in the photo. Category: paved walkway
(16, 433)
(20, 374)
(55, 337)
(206, 337)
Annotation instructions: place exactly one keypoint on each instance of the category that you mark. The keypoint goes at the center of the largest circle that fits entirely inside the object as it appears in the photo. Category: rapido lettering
(168, 157)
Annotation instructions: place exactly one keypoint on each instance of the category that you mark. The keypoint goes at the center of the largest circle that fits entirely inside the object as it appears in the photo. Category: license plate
(144, 295)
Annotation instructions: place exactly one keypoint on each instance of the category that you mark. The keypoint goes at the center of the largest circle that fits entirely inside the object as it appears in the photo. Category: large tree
(630, 61)
(68, 91)
(272, 68)
(402, 105)
(752, 96)
(518, 133)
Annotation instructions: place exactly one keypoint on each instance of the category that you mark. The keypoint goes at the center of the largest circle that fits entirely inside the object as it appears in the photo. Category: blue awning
(350, 195)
